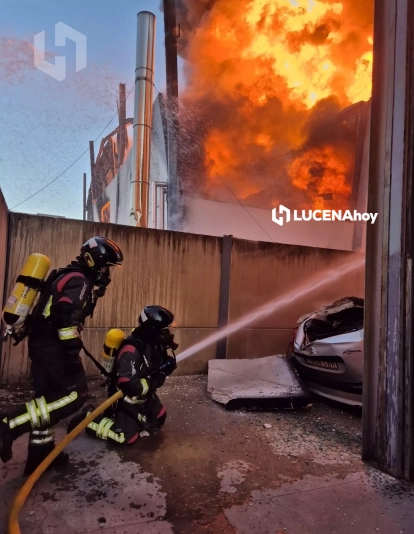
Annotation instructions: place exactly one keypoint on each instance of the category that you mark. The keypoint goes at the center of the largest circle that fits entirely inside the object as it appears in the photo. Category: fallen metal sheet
(268, 382)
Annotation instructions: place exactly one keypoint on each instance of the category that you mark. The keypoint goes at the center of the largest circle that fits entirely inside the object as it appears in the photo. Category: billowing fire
(322, 170)
(263, 77)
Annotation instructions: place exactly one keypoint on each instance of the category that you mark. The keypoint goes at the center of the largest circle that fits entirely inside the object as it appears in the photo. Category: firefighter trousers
(60, 386)
(124, 426)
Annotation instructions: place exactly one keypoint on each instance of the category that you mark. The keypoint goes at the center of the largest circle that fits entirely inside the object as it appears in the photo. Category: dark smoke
(190, 15)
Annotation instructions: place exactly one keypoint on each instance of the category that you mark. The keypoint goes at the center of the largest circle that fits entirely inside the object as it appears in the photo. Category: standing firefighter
(54, 344)
(141, 366)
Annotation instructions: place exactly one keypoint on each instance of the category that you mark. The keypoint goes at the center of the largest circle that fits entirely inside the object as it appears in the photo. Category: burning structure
(109, 195)
(274, 112)
(265, 81)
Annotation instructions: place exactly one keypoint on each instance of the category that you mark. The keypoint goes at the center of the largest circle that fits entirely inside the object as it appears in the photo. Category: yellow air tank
(28, 284)
(113, 340)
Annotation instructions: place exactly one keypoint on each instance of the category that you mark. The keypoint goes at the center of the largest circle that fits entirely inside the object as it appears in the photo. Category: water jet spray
(315, 282)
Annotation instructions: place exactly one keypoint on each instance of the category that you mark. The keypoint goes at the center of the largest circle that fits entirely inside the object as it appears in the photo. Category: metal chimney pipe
(144, 81)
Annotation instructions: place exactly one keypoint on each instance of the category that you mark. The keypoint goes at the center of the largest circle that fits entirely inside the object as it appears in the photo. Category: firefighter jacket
(137, 368)
(70, 300)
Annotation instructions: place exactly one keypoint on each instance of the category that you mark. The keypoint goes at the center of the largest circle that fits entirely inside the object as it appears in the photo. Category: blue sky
(47, 124)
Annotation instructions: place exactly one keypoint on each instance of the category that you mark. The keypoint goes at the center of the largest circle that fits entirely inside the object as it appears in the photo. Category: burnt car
(327, 350)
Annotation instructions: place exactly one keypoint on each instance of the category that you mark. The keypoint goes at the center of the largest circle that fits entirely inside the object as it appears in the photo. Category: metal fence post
(224, 299)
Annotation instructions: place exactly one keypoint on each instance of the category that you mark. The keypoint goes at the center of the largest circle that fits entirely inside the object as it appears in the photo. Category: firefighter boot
(6, 442)
(41, 444)
(80, 417)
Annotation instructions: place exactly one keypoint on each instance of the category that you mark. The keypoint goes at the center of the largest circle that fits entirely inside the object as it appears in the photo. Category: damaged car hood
(335, 323)
(336, 307)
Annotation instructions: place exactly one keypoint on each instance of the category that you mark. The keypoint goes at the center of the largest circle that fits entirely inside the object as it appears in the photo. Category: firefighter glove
(100, 292)
(157, 380)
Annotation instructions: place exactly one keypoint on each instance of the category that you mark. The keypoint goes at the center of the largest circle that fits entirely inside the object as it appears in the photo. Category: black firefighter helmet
(101, 252)
(155, 318)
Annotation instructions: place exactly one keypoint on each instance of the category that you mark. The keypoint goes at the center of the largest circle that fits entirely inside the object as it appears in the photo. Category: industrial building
(134, 178)
(110, 190)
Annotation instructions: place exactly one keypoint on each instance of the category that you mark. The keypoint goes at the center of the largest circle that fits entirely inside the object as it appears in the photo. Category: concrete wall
(182, 272)
(176, 270)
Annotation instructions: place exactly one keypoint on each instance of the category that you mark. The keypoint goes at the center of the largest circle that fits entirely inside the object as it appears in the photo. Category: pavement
(215, 471)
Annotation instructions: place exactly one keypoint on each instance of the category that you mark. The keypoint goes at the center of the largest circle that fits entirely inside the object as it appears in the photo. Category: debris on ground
(269, 381)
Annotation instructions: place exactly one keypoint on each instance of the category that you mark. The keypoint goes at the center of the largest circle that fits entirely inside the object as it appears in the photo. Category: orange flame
(258, 68)
(322, 171)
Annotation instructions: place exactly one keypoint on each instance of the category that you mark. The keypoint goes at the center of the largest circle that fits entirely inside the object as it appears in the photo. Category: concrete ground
(214, 471)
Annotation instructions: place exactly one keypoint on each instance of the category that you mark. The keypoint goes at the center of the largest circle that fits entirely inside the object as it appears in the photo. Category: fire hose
(20, 499)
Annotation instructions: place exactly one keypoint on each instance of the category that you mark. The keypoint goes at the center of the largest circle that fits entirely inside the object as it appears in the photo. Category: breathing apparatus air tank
(113, 340)
(28, 284)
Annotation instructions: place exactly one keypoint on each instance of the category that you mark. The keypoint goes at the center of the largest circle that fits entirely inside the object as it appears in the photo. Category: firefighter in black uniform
(141, 366)
(54, 345)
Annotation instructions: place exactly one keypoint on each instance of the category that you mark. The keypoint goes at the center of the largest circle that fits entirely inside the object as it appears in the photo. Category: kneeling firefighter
(68, 297)
(141, 365)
